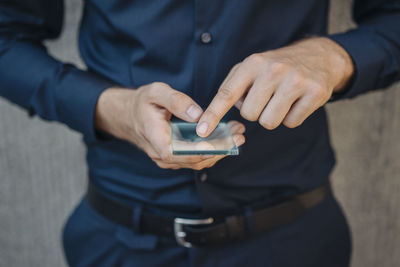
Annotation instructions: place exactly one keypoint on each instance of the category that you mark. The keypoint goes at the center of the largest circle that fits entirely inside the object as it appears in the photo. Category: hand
(281, 86)
(142, 117)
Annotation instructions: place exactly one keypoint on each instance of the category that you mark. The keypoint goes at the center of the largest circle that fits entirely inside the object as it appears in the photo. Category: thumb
(178, 103)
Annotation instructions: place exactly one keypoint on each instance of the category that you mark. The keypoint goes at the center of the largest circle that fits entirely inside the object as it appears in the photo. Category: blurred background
(43, 172)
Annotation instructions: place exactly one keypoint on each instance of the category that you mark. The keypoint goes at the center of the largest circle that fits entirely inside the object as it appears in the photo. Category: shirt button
(203, 177)
(206, 37)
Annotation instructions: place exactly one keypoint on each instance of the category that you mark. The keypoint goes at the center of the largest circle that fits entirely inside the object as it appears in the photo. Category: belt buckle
(180, 234)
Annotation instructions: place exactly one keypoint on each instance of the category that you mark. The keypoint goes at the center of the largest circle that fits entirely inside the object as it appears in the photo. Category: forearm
(44, 86)
(374, 47)
(34, 80)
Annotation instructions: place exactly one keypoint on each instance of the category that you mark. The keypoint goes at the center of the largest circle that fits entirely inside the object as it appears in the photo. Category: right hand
(142, 117)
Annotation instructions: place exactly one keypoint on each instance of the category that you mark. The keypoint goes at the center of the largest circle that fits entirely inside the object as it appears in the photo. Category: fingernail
(207, 156)
(202, 128)
(238, 140)
(194, 112)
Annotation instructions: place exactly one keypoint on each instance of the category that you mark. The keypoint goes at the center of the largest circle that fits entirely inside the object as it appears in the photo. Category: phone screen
(185, 140)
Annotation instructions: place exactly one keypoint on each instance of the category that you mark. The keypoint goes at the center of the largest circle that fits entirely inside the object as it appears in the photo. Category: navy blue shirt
(190, 45)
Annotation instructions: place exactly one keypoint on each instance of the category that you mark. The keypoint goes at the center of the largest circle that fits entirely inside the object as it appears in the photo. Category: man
(151, 60)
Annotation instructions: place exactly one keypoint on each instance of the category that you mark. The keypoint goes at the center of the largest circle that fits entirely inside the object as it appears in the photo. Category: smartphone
(185, 140)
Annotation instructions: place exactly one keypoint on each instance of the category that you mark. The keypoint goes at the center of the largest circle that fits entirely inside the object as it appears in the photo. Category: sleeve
(34, 80)
(374, 46)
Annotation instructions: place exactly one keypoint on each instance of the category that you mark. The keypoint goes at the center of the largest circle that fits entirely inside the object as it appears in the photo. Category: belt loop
(136, 217)
(248, 215)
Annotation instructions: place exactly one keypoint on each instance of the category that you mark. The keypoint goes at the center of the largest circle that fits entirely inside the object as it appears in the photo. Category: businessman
(266, 67)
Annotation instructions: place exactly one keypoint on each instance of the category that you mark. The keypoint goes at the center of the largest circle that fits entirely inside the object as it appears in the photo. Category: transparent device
(185, 140)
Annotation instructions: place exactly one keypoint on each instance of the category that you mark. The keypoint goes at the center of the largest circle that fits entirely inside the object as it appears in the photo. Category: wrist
(342, 65)
(111, 110)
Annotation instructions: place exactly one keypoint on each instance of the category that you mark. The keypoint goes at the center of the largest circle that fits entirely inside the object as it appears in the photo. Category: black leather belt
(209, 231)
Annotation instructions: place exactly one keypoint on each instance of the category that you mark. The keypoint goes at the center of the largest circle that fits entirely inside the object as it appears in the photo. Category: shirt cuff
(367, 56)
(83, 89)
(49, 88)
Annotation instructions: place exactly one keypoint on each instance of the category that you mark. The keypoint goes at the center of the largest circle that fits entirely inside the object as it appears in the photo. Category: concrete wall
(42, 171)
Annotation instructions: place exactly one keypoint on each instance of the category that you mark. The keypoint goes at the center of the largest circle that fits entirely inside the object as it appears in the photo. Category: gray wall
(42, 171)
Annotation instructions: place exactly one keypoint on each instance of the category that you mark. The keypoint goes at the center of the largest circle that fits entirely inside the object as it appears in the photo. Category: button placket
(206, 37)
(203, 177)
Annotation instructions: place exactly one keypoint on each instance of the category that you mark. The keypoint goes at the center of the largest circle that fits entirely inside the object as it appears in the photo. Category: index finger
(231, 90)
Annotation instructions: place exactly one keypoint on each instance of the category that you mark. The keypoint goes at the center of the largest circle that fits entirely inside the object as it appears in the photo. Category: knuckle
(248, 114)
(268, 124)
(277, 67)
(153, 156)
(212, 114)
(157, 84)
(212, 164)
(176, 100)
(152, 90)
(318, 94)
(291, 92)
(297, 79)
(226, 93)
(291, 123)
(304, 105)
(161, 165)
(254, 59)
(165, 156)
(198, 167)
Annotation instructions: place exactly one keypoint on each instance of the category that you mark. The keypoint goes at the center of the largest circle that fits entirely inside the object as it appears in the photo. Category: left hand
(281, 86)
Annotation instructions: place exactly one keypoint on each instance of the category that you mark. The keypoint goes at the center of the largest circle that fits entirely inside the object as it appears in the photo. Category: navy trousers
(320, 238)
